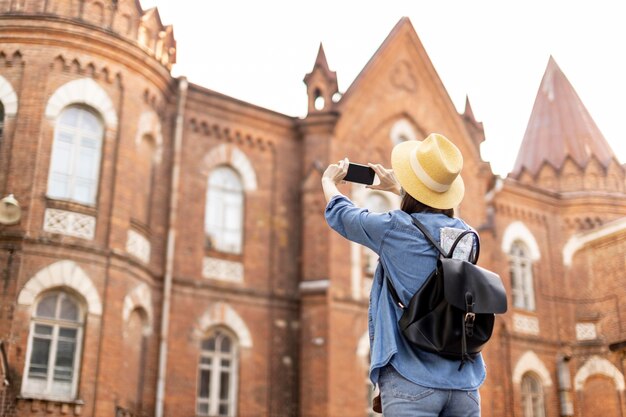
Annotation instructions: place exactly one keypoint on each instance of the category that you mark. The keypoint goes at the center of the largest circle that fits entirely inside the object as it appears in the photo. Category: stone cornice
(81, 36)
(224, 133)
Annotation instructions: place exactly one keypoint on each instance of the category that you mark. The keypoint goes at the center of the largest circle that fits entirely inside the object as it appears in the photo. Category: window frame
(76, 137)
(216, 241)
(56, 323)
(530, 398)
(522, 276)
(213, 400)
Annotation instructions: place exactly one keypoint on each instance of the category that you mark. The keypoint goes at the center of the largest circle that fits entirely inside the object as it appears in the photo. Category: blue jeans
(403, 398)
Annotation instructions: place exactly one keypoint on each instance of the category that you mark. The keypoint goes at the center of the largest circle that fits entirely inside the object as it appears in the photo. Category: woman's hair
(411, 205)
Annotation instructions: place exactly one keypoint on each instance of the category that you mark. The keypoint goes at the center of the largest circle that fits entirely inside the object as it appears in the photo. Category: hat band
(423, 176)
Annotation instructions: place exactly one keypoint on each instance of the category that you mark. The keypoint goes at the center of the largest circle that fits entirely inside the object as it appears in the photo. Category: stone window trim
(65, 273)
(222, 314)
(597, 365)
(530, 362)
(82, 91)
(215, 361)
(9, 98)
(56, 323)
(69, 205)
(517, 231)
(526, 322)
(68, 407)
(139, 297)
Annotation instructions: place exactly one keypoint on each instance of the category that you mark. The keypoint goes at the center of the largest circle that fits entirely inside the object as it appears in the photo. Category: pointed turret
(560, 129)
(321, 84)
(468, 112)
(475, 128)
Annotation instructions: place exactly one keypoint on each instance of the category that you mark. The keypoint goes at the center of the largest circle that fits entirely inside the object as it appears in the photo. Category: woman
(412, 382)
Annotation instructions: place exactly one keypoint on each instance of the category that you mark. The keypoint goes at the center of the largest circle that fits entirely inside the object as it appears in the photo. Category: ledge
(49, 404)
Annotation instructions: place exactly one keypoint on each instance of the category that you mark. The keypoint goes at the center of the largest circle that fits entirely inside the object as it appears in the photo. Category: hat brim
(415, 188)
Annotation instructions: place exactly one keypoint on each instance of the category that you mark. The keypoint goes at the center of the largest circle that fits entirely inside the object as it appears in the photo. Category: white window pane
(90, 124)
(69, 117)
(43, 330)
(203, 409)
(63, 367)
(69, 310)
(39, 358)
(204, 385)
(47, 307)
(86, 163)
(61, 389)
(232, 218)
(58, 186)
(83, 192)
(61, 158)
(224, 385)
(225, 344)
(208, 344)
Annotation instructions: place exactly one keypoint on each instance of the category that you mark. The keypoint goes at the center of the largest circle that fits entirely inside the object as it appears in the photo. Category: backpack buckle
(469, 323)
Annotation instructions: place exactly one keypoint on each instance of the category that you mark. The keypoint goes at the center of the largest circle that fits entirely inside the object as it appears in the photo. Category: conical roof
(560, 127)
(321, 64)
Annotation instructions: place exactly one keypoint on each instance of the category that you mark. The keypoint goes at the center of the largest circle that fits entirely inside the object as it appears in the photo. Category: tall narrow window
(1, 119)
(532, 397)
(521, 269)
(134, 359)
(52, 361)
(75, 163)
(217, 376)
(144, 170)
(223, 223)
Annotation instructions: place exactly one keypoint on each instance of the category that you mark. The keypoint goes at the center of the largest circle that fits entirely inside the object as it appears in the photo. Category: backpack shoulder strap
(391, 288)
(428, 236)
(475, 253)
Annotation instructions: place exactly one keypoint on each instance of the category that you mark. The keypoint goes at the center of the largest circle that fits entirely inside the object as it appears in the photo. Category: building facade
(172, 257)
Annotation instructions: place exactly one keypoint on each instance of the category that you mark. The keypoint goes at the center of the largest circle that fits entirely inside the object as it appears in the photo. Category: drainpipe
(171, 244)
(565, 385)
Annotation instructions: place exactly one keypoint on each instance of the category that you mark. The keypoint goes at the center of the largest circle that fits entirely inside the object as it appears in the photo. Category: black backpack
(453, 313)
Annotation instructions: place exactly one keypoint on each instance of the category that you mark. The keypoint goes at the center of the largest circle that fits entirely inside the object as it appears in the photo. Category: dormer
(321, 85)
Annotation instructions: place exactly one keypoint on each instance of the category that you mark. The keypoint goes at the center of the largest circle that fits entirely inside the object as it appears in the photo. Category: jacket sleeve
(358, 224)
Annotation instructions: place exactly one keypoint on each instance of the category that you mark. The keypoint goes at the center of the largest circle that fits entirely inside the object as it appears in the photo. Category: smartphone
(362, 174)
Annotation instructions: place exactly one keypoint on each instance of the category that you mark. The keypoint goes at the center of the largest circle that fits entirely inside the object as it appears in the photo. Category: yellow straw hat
(429, 171)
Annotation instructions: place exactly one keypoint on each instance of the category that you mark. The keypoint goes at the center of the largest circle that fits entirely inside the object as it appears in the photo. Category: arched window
(223, 223)
(377, 203)
(75, 162)
(532, 396)
(54, 345)
(217, 375)
(521, 268)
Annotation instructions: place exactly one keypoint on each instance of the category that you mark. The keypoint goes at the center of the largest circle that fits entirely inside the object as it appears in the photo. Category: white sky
(495, 51)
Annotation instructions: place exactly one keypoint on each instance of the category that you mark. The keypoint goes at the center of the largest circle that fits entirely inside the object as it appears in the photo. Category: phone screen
(360, 173)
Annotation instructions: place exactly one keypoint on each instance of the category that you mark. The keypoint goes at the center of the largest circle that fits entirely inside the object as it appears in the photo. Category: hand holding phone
(361, 174)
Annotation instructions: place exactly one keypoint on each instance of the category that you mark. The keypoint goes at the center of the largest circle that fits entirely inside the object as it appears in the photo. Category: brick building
(172, 258)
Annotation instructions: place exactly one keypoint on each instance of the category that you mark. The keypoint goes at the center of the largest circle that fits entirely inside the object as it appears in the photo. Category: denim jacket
(408, 259)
